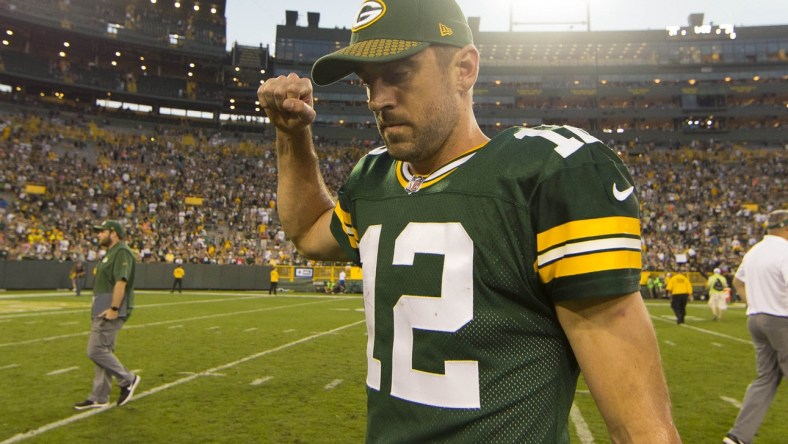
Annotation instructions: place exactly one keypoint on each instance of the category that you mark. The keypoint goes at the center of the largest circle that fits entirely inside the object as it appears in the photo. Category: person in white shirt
(762, 281)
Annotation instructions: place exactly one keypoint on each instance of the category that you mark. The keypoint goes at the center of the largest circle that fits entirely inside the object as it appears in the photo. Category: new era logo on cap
(445, 30)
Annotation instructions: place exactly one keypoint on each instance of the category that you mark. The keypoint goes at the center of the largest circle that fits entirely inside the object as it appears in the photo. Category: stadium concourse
(203, 196)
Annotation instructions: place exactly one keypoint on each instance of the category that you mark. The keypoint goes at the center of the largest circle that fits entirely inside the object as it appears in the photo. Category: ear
(467, 62)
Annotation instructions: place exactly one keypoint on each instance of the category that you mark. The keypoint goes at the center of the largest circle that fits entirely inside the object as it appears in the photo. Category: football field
(248, 368)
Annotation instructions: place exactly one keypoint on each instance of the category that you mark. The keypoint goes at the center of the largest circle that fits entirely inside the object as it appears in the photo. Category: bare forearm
(304, 203)
(118, 293)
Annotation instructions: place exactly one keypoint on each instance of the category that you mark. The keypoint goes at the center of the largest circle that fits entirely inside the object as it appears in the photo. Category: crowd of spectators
(201, 196)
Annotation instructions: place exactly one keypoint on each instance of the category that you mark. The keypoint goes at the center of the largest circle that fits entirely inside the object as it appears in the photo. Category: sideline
(171, 321)
(80, 416)
(226, 297)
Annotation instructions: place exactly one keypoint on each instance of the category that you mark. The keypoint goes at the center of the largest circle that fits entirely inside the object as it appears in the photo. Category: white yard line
(62, 370)
(172, 321)
(703, 330)
(333, 384)
(6, 367)
(731, 401)
(210, 372)
(580, 425)
(261, 380)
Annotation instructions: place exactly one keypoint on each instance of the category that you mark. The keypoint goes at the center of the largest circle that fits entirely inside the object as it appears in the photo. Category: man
(680, 289)
(113, 302)
(718, 289)
(274, 278)
(651, 287)
(177, 274)
(78, 277)
(492, 269)
(340, 288)
(762, 283)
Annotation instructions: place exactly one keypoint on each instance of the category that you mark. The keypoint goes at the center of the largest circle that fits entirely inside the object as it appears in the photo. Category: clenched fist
(288, 102)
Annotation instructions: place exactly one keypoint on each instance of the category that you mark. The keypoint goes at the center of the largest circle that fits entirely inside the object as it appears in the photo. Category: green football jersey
(462, 270)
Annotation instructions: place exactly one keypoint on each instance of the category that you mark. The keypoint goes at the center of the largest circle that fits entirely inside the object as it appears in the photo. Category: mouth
(389, 125)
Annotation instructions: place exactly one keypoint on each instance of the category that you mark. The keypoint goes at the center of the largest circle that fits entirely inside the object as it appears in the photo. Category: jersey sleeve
(123, 266)
(586, 216)
(343, 226)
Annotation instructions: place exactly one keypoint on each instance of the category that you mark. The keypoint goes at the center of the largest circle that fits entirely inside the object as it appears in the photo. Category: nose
(379, 95)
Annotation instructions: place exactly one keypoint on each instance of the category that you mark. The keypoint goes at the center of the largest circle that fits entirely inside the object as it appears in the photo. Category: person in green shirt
(113, 302)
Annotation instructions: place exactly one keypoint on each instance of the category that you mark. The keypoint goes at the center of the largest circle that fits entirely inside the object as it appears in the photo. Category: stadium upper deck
(161, 62)
(722, 82)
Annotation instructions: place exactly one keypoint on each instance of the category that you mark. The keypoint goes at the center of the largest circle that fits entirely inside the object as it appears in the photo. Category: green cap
(388, 30)
(111, 225)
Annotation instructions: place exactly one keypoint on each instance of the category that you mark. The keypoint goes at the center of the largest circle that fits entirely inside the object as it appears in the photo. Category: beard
(105, 242)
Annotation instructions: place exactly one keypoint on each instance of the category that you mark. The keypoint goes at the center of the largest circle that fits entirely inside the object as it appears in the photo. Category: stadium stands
(183, 158)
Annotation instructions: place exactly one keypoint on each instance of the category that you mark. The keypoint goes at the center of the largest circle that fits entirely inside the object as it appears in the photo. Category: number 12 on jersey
(459, 386)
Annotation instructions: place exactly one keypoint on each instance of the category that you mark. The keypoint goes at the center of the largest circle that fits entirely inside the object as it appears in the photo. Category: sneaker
(730, 439)
(127, 392)
(88, 404)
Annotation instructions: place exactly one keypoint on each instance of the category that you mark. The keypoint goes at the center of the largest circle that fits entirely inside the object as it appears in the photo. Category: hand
(288, 102)
(109, 314)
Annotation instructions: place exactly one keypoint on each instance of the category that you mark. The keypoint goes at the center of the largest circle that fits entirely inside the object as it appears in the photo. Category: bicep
(318, 242)
(616, 348)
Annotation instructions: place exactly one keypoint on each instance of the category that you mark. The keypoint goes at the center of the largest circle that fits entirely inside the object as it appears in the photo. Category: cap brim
(335, 66)
(99, 228)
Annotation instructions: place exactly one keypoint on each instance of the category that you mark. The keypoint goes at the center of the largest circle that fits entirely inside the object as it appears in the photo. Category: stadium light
(9, 32)
(196, 7)
(6, 43)
(117, 53)
(177, 4)
(213, 10)
(62, 54)
(66, 44)
(153, 2)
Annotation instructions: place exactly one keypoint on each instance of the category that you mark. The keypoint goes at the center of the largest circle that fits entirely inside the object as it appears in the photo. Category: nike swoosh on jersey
(622, 195)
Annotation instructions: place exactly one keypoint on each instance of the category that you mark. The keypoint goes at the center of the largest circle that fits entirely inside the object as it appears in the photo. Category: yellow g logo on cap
(369, 13)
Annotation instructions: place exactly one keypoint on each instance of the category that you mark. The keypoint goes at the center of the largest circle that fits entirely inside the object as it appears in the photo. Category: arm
(616, 347)
(304, 203)
(118, 293)
(738, 284)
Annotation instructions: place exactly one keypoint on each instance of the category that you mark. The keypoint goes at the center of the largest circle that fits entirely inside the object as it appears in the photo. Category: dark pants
(79, 283)
(272, 290)
(179, 283)
(678, 302)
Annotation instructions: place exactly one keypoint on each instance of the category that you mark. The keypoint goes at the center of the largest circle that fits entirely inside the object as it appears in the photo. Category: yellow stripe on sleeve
(581, 229)
(590, 263)
(347, 225)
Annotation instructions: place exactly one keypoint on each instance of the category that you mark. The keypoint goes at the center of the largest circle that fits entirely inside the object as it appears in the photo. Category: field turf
(242, 367)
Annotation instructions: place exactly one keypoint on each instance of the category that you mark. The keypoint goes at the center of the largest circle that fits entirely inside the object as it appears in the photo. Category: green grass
(242, 367)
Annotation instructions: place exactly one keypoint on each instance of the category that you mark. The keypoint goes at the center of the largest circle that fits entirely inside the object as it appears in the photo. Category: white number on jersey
(459, 386)
(565, 146)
